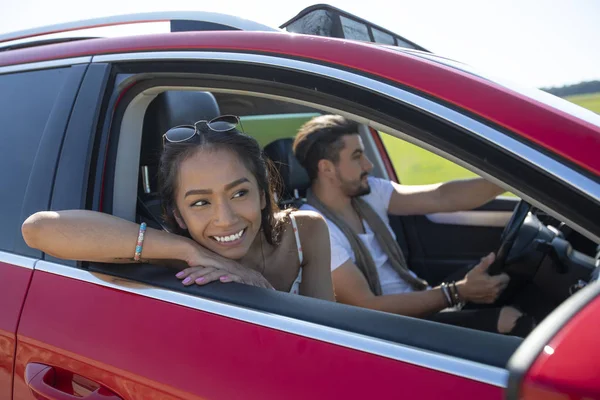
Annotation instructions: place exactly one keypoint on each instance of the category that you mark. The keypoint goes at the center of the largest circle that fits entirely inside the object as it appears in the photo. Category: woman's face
(219, 202)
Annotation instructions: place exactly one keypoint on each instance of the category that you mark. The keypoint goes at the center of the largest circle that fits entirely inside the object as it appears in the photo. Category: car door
(134, 332)
(439, 244)
(32, 129)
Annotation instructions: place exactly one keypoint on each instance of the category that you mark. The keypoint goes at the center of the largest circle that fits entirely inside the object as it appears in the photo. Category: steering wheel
(509, 235)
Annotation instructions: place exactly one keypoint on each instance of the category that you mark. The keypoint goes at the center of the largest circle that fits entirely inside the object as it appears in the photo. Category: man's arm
(451, 196)
(351, 287)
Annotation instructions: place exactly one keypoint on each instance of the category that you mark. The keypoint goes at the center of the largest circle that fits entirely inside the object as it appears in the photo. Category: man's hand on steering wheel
(479, 286)
(509, 235)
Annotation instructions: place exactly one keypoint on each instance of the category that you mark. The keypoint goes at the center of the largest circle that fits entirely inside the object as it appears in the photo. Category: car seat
(167, 110)
(294, 177)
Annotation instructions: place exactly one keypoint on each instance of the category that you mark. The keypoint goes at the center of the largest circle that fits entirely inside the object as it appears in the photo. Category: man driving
(368, 267)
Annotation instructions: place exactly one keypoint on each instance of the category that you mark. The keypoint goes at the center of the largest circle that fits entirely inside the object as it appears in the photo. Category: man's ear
(326, 167)
(179, 220)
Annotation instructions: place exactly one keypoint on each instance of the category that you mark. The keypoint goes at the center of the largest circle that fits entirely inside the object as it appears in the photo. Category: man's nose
(367, 164)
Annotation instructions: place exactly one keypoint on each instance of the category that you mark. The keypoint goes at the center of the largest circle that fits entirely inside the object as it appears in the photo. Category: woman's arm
(93, 236)
(316, 272)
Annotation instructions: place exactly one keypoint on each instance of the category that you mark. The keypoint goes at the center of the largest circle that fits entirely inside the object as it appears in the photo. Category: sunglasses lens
(224, 123)
(180, 134)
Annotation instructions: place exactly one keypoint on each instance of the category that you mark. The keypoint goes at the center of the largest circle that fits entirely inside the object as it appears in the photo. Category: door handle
(41, 381)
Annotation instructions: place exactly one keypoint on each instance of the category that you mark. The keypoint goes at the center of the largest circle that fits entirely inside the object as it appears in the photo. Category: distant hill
(578, 88)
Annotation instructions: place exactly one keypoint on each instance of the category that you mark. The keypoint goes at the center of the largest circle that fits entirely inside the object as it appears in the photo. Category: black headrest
(293, 175)
(170, 109)
(167, 110)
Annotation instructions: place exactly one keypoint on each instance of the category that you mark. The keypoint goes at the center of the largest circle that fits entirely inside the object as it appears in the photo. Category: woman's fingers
(184, 273)
(253, 282)
(200, 276)
(204, 275)
(231, 278)
(212, 276)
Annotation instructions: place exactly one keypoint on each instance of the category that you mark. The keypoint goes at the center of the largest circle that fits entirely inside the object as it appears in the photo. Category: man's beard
(355, 188)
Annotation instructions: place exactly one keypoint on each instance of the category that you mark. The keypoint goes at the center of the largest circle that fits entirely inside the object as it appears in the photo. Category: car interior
(544, 251)
(172, 108)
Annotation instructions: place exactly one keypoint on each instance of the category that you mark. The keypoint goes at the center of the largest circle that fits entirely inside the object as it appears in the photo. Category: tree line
(578, 88)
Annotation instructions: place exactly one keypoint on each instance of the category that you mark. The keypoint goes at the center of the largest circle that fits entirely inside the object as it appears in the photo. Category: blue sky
(531, 42)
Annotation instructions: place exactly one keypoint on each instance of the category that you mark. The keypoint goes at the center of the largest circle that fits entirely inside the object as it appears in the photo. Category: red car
(81, 127)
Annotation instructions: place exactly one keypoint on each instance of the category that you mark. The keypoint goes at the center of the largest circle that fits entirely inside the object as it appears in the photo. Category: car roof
(540, 118)
(143, 22)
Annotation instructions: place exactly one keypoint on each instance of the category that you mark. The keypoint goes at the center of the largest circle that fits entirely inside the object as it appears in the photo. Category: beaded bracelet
(456, 298)
(140, 242)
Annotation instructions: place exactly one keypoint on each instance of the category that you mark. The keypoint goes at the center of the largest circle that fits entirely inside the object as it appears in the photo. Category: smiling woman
(217, 198)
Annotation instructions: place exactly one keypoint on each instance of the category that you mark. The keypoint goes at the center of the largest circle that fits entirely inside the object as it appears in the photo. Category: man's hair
(321, 138)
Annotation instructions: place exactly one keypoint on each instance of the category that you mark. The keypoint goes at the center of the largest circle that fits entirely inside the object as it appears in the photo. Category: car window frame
(162, 277)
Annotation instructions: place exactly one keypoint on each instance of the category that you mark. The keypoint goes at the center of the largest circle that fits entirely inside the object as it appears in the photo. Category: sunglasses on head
(183, 133)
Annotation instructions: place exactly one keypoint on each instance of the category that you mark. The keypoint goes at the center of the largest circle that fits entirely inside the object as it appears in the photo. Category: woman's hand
(204, 275)
(207, 266)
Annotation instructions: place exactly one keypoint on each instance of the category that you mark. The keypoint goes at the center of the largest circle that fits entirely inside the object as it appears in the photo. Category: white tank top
(295, 289)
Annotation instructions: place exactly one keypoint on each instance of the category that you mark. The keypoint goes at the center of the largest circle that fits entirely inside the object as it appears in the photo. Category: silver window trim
(452, 365)
(63, 62)
(542, 162)
(17, 260)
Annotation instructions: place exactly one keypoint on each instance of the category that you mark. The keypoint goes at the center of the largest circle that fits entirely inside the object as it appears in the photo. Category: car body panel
(140, 347)
(568, 367)
(14, 281)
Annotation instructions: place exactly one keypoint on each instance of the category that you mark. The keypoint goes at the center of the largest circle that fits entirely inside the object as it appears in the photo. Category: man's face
(353, 167)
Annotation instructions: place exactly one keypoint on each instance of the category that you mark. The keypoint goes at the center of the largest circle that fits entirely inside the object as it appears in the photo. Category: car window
(416, 166)
(26, 102)
(402, 43)
(355, 30)
(267, 128)
(318, 22)
(265, 119)
(382, 37)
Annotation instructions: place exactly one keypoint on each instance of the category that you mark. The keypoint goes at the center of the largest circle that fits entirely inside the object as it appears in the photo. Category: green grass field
(589, 101)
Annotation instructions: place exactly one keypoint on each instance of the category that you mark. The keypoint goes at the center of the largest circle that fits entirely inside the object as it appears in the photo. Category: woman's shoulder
(310, 224)
(304, 217)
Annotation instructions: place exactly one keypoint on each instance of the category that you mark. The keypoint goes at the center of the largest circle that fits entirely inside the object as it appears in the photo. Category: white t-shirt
(341, 251)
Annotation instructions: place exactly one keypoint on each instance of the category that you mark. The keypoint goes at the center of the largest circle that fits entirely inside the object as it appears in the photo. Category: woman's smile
(230, 240)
